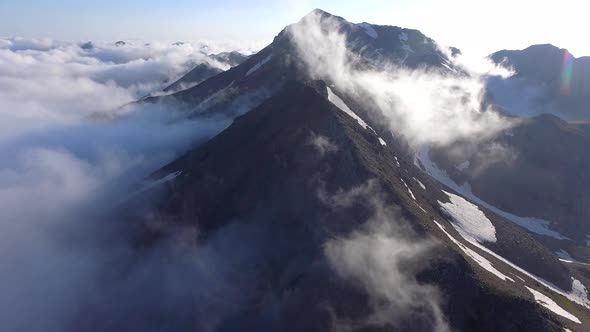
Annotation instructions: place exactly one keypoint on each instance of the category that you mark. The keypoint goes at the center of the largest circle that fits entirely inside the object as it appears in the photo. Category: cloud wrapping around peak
(425, 106)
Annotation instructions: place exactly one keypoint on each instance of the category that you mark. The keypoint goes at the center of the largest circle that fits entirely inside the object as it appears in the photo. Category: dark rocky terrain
(563, 79)
(295, 175)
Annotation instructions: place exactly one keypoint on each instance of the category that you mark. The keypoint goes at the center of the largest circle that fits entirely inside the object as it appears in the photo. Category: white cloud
(64, 165)
(382, 257)
(423, 106)
(323, 144)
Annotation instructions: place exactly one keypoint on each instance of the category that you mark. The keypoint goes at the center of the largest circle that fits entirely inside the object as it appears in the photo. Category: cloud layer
(65, 162)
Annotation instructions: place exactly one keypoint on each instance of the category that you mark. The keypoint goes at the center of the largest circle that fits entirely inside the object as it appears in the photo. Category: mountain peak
(323, 15)
(319, 11)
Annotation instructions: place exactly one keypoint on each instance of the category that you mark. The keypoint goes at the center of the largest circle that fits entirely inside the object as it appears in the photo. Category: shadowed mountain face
(536, 169)
(564, 80)
(197, 75)
(319, 222)
(232, 58)
(206, 70)
(289, 183)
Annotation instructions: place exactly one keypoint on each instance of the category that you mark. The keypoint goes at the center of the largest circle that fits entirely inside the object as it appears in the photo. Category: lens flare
(566, 73)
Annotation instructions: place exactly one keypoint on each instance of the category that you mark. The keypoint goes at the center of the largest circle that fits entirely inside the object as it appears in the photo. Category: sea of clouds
(72, 143)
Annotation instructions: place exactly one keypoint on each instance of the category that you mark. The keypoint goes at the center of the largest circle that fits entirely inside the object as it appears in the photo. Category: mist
(425, 106)
(382, 257)
(65, 164)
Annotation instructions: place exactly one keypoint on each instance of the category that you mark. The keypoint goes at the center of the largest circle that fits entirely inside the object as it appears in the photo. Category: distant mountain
(562, 80)
(197, 75)
(205, 70)
(232, 58)
(543, 174)
(299, 149)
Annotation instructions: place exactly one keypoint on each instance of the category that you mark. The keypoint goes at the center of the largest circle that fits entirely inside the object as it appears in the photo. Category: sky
(476, 27)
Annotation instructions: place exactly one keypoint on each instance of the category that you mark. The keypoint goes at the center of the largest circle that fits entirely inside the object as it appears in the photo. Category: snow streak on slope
(471, 223)
(534, 225)
(369, 30)
(484, 263)
(548, 303)
(258, 65)
(334, 99)
(420, 183)
(409, 190)
(152, 185)
(565, 257)
(578, 294)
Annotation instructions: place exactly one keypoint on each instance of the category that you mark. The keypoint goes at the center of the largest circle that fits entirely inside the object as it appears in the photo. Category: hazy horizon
(252, 25)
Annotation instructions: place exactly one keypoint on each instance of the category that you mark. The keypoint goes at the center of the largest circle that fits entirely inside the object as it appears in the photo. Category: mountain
(562, 79)
(544, 176)
(205, 70)
(261, 74)
(232, 58)
(197, 75)
(338, 224)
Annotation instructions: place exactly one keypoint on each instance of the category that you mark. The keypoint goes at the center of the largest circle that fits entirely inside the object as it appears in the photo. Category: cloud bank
(65, 163)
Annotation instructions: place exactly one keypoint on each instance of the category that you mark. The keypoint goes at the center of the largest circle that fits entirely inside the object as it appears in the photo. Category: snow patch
(258, 65)
(484, 263)
(214, 97)
(161, 181)
(578, 294)
(397, 162)
(407, 48)
(469, 221)
(382, 141)
(420, 207)
(449, 67)
(409, 190)
(534, 225)
(334, 99)
(420, 184)
(565, 256)
(548, 303)
(403, 37)
(151, 185)
(369, 30)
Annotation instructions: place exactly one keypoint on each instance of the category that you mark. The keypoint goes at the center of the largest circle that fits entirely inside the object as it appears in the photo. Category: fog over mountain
(346, 177)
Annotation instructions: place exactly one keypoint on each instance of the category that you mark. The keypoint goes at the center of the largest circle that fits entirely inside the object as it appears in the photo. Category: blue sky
(474, 26)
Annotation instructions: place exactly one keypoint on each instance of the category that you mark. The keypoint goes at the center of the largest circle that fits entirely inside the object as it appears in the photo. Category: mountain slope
(273, 181)
(560, 82)
(197, 75)
(286, 170)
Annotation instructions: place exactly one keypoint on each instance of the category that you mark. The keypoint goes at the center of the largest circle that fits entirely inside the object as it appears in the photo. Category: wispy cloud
(424, 106)
(382, 258)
